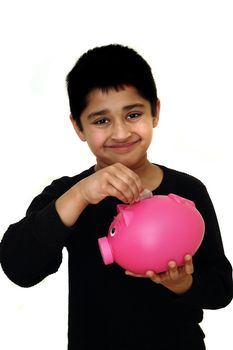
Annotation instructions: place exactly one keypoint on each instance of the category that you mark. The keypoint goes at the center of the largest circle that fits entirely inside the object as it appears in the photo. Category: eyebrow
(97, 113)
(105, 111)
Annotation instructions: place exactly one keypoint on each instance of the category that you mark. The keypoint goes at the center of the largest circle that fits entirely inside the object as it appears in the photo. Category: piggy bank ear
(127, 216)
(181, 200)
(121, 207)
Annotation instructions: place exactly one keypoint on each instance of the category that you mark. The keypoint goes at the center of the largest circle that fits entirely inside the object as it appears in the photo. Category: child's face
(118, 126)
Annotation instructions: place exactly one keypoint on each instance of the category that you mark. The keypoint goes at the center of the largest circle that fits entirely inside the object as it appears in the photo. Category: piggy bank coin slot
(145, 195)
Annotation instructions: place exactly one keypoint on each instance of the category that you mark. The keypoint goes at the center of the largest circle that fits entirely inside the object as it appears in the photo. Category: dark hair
(106, 67)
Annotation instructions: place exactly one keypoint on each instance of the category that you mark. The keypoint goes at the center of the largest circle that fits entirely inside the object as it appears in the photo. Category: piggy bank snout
(106, 251)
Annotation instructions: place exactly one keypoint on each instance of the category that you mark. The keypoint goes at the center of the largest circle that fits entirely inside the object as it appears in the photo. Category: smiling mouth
(123, 146)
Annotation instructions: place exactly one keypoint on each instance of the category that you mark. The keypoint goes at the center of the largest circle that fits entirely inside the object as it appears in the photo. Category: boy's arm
(32, 248)
(212, 286)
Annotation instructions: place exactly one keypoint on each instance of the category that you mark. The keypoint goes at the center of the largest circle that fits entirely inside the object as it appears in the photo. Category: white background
(189, 47)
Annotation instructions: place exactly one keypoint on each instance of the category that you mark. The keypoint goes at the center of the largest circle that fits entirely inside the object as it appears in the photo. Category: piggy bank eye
(112, 232)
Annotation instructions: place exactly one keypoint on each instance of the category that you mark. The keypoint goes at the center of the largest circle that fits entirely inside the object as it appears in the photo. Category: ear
(156, 116)
(78, 131)
(127, 215)
(121, 207)
(126, 212)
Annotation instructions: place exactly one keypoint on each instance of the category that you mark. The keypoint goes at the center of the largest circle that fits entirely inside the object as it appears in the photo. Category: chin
(129, 160)
(129, 163)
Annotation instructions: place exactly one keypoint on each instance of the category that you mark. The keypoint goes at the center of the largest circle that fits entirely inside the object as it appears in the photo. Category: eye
(101, 121)
(112, 232)
(134, 115)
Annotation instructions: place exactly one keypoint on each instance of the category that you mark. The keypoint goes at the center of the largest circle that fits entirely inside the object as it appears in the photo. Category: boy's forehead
(108, 98)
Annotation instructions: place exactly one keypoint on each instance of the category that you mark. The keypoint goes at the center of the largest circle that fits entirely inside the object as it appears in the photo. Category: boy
(114, 108)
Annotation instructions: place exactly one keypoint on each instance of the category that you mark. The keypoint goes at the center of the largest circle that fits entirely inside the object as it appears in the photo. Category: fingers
(188, 265)
(178, 279)
(113, 192)
(127, 182)
(124, 190)
(173, 270)
(157, 278)
(149, 274)
(172, 274)
(129, 273)
(121, 182)
(113, 181)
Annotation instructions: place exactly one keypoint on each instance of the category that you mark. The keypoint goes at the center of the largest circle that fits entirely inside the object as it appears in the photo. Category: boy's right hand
(115, 180)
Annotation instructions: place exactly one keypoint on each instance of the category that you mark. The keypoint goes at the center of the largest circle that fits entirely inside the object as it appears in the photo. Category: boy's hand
(177, 279)
(115, 180)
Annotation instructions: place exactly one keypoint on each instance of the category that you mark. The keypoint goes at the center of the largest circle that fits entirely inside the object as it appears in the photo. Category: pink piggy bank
(148, 234)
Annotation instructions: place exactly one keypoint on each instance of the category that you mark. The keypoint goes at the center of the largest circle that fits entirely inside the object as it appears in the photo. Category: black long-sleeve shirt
(106, 307)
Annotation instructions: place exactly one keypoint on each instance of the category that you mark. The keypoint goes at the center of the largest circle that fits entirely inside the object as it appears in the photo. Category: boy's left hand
(177, 279)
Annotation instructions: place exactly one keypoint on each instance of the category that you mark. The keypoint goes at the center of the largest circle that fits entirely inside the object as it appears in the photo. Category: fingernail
(149, 273)
(172, 264)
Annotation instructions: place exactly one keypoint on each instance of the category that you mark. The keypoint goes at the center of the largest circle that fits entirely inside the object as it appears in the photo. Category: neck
(143, 169)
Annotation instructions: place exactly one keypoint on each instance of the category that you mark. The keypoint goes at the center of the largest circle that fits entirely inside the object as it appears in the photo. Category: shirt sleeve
(31, 249)
(212, 279)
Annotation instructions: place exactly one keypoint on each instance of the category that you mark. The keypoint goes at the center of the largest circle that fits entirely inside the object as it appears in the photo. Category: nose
(120, 131)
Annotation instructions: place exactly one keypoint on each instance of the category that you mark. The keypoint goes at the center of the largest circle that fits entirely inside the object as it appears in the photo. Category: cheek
(146, 131)
(95, 140)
